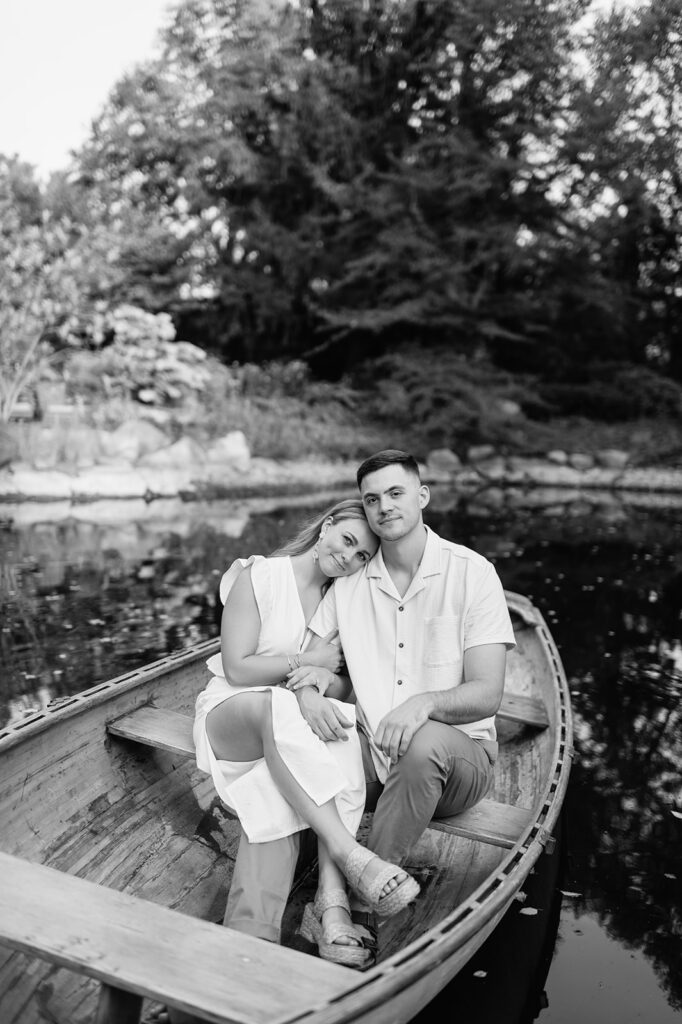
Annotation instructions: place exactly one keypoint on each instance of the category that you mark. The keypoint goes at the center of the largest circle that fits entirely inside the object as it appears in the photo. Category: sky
(59, 60)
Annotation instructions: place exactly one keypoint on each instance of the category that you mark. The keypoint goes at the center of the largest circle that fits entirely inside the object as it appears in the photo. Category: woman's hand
(310, 675)
(323, 653)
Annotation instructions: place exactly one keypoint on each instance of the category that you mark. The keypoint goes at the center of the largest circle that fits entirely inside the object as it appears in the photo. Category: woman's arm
(239, 631)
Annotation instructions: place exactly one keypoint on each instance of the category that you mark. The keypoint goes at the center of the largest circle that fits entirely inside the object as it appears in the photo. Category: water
(91, 592)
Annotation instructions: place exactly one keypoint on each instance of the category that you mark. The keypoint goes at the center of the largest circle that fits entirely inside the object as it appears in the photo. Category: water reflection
(90, 596)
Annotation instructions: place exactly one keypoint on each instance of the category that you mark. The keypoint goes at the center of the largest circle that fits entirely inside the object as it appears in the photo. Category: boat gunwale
(62, 708)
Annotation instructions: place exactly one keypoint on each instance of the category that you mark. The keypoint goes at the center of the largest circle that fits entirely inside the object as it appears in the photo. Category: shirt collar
(429, 565)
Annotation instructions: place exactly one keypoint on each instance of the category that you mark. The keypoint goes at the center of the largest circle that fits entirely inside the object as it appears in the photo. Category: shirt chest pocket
(442, 644)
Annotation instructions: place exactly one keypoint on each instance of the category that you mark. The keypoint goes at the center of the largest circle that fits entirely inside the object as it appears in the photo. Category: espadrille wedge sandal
(326, 936)
(369, 890)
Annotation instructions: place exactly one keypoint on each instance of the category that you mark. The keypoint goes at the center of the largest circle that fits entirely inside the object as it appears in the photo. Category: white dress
(324, 770)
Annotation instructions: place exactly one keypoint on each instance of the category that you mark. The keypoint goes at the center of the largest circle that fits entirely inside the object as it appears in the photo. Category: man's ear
(424, 496)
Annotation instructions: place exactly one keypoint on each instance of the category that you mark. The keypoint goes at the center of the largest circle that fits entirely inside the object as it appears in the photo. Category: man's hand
(325, 719)
(396, 729)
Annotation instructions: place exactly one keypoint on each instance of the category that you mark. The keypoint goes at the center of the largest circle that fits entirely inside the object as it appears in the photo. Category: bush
(615, 392)
(144, 363)
(435, 397)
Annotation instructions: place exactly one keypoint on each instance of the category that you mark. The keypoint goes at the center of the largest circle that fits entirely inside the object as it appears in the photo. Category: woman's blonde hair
(349, 508)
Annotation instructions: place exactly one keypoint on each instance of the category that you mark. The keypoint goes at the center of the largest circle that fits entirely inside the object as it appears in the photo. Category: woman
(276, 771)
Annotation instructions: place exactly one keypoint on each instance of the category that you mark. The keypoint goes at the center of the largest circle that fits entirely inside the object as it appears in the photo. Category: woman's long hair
(349, 508)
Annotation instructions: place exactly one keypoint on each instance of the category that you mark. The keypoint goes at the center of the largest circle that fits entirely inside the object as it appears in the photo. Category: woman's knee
(236, 727)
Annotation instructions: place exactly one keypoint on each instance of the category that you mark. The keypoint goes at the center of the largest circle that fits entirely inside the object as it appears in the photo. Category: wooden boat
(116, 856)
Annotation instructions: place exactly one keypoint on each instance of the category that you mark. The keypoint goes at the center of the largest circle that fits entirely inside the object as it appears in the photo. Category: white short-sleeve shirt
(396, 646)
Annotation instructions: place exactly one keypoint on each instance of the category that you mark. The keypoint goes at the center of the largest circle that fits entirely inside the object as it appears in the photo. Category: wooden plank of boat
(148, 950)
(489, 821)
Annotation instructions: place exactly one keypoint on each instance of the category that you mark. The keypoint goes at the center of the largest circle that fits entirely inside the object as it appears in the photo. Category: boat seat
(488, 822)
(138, 949)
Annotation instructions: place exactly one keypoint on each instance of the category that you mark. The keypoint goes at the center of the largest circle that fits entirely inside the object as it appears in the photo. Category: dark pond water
(91, 592)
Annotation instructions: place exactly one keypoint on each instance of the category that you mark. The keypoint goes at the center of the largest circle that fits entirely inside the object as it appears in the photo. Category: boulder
(557, 456)
(580, 461)
(231, 450)
(108, 482)
(131, 440)
(443, 460)
(23, 481)
(507, 408)
(9, 446)
(478, 452)
(184, 454)
(613, 458)
(494, 468)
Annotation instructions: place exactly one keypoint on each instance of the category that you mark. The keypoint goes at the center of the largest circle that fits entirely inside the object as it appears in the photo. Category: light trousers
(442, 773)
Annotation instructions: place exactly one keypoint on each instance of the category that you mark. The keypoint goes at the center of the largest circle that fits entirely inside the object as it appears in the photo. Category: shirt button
(401, 645)
(400, 608)
(400, 682)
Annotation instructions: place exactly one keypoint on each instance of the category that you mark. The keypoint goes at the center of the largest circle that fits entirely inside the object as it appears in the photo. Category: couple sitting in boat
(415, 617)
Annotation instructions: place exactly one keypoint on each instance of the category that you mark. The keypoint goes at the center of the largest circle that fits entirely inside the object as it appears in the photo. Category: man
(424, 630)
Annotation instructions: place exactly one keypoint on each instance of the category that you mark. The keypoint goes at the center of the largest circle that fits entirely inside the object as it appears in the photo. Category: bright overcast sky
(58, 61)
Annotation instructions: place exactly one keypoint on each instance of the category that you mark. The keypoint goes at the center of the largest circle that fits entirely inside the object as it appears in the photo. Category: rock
(557, 456)
(82, 448)
(613, 458)
(132, 440)
(44, 451)
(580, 461)
(493, 468)
(184, 454)
(443, 460)
(507, 408)
(9, 446)
(23, 481)
(651, 479)
(478, 452)
(232, 450)
(108, 482)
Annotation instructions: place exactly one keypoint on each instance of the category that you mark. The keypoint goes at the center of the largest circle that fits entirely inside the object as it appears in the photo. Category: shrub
(615, 392)
(143, 362)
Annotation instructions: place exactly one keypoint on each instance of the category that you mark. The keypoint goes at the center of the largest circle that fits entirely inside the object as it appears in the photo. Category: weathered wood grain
(149, 950)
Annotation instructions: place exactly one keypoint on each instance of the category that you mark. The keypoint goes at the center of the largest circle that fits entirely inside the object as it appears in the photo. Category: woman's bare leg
(242, 731)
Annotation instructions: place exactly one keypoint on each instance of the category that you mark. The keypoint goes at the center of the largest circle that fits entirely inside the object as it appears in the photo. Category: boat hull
(147, 822)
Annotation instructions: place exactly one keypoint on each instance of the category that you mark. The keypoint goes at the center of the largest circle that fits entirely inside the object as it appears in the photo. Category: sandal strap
(330, 898)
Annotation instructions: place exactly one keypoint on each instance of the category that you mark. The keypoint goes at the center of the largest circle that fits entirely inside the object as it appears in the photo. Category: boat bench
(489, 821)
(139, 949)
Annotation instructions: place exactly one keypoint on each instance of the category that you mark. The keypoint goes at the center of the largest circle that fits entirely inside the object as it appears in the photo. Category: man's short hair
(389, 457)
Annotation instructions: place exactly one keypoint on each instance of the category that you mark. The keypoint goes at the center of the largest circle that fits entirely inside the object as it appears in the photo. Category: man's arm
(478, 696)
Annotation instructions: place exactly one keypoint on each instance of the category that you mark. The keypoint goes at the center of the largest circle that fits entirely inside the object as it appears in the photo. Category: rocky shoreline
(135, 463)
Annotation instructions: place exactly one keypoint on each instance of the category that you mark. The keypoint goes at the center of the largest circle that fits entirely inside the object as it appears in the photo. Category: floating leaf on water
(677, 814)
(529, 911)
(480, 974)
(668, 875)
(571, 895)
(95, 622)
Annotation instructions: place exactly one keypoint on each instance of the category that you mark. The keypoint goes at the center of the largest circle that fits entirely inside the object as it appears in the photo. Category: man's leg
(261, 883)
(443, 772)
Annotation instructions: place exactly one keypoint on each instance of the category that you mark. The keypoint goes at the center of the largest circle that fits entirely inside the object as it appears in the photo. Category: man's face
(393, 500)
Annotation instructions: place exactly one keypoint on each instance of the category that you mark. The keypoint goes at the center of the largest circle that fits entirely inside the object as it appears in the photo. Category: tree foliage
(333, 179)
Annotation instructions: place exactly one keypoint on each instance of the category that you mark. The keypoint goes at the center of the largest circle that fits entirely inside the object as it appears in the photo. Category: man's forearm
(462, 704)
